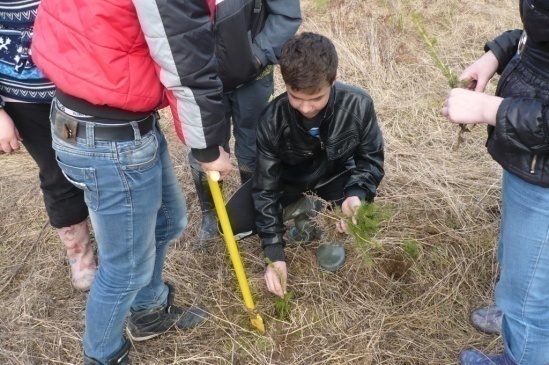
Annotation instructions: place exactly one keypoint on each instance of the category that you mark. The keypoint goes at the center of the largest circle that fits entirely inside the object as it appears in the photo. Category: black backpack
(236, 24)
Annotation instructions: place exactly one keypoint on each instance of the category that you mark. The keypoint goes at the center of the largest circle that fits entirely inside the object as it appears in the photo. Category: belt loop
(90, 134)
(52, 109)
(136, 132)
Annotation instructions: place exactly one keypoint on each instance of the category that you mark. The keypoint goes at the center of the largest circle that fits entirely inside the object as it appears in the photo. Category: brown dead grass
(398, 311)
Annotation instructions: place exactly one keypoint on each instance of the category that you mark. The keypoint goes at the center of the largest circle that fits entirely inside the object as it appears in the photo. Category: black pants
(64, 202)
(331, 192)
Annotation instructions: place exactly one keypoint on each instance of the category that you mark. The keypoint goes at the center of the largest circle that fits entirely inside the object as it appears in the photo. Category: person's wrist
(3, 115)
(491, 111)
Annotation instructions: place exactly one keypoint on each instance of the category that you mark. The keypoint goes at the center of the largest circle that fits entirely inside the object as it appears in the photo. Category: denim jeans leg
(170, 224)
(122, 183)
(247, 103)
(522, 291)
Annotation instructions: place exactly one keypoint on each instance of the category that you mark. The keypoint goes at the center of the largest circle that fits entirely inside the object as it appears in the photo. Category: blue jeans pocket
(139, 157)
(85, 179)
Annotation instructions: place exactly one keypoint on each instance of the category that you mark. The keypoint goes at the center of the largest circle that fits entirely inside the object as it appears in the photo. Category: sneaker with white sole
(148, 323)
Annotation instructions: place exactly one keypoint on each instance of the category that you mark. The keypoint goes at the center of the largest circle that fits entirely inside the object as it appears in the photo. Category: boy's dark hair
(308, 62)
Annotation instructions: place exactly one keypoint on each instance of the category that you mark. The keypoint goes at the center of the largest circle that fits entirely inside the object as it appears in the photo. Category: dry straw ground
(444, 199)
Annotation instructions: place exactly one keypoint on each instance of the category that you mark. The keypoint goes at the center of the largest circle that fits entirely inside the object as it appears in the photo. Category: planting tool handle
(213, 177)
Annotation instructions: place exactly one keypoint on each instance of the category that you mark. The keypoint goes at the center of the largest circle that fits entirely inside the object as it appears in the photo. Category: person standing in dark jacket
(518, 139)
(320, 136)
(246, 62)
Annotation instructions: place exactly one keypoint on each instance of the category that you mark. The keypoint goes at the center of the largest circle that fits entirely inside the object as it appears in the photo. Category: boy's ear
(337, 78)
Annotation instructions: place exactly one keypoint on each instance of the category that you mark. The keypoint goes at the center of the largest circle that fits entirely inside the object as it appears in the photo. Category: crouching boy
(320, 136)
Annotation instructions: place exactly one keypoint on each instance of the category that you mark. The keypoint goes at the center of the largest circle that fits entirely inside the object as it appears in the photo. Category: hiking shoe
(474, 357)
(488, 320)
(148, 323)
(330, 256)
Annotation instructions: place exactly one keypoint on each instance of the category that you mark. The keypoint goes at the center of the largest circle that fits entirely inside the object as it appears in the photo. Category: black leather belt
(69, 127)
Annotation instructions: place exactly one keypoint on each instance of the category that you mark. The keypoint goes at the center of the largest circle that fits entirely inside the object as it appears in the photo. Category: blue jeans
(244, 106)
(523, 288)
(136, 207)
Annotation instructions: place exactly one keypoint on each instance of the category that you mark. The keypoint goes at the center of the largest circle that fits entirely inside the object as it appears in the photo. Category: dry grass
(398, 311)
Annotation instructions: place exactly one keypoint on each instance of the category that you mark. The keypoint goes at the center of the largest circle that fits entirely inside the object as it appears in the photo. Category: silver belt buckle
(522, 42)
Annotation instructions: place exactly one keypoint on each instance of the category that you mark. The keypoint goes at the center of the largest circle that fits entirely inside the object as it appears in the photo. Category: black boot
(246, 173)
(121, 357)
(208, 227)
(302, 211)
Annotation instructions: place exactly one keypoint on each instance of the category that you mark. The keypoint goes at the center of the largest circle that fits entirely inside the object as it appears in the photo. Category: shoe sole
(144, 338)
(483, 330)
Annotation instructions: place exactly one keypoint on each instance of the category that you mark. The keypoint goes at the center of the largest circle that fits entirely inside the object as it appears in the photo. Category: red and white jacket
(129, 54)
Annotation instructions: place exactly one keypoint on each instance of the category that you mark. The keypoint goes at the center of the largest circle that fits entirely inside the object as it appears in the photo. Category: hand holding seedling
(275, 277)
(349, 208)
(477, 76)
(469, 107)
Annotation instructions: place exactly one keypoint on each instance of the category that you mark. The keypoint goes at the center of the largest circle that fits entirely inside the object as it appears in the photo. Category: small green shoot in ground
(410, 247)
(283, 306)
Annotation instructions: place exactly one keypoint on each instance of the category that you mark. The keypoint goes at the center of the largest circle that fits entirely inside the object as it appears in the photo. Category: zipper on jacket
(522, 43)
(533, 166)
(321, 145)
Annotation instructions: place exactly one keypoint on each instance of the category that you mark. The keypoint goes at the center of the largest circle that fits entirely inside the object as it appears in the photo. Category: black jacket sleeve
(181, 42)
(524, 122)
(266, 193)
(504, 47)
(369, 157)
(282, 23)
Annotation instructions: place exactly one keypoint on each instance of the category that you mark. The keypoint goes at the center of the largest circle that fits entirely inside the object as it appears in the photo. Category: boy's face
(307, 103)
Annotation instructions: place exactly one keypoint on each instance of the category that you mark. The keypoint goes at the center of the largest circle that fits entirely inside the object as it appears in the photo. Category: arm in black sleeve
(524, 122)
(504, 47)
(266, 194)
(369, 157)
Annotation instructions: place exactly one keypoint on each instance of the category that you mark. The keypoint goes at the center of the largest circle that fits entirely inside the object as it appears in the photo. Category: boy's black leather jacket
(520, 140)
(289, 155)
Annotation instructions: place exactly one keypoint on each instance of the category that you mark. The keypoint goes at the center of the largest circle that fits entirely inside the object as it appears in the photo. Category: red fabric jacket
(125, 54)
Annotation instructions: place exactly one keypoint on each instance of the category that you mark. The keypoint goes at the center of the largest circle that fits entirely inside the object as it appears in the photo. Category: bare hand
(9, 135)
(222, 164)
(470, 107)
(275, 277)
(349, 207)
(479, 73)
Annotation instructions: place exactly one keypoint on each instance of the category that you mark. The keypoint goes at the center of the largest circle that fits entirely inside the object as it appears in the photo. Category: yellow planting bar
(255, 318)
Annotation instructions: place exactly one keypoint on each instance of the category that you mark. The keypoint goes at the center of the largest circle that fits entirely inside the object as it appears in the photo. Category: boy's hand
(275, 277)
(9, 135)
(349, 207)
